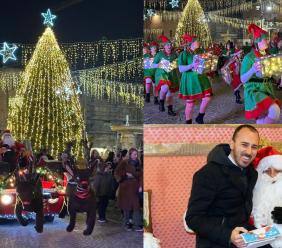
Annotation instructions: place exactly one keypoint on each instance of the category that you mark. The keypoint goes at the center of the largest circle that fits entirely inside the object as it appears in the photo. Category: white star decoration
(8, 52)
(48, 18)
(150, 12)
(174, 3)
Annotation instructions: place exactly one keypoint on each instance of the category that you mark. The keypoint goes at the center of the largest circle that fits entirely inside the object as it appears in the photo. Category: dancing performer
(260, 101)
(167, 82)
(193, 85)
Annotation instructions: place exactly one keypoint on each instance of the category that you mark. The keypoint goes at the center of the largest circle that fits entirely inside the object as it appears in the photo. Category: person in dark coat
(103, 184)
(220, 203)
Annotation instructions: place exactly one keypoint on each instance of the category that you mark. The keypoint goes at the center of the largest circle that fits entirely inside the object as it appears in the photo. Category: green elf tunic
(149, 73)
(166, 78)
(258, 92)
(193, 85)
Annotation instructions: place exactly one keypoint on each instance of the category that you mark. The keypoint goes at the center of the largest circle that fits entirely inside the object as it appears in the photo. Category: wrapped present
(228, 69)
(168, 66)
(207, 63)
(271, 65)
(148, 63)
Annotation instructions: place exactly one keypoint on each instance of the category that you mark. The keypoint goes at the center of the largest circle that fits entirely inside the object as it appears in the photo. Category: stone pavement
(105, 235)
(222, 108)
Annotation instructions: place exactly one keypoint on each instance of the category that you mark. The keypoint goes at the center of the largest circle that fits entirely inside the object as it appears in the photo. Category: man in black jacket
(221, 198)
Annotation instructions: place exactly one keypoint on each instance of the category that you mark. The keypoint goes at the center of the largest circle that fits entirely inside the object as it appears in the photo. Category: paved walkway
(222, 108)
(105, 235)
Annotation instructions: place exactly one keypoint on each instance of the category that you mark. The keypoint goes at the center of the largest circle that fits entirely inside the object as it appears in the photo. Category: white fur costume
(150, 241)
(267, 194)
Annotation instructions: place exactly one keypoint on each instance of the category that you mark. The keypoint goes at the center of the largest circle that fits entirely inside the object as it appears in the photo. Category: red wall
(169, 177)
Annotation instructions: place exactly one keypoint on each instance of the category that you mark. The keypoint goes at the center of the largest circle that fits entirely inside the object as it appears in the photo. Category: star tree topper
(48, 18)
(174, 3)
(8, 52)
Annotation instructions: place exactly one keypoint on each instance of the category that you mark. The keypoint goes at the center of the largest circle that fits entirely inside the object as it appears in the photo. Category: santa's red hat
(257, 32)
(188, 38)
(268, 157)
(164, 39)
(154, 44)
(6, 131)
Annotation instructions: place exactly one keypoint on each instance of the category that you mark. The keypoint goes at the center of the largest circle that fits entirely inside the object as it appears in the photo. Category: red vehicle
(53, 196)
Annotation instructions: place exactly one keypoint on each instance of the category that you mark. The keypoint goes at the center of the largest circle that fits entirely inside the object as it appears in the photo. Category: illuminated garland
(234, 9)
(115, 92)
(50, 175)
(4, 184)
(241, 24)
(9, 80)
(91, 54)
(208, 5)
(192, 22)
(46, 109)
(157, 32)
(109, 74)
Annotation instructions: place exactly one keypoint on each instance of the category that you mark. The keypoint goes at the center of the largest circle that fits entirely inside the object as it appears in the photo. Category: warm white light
(6, 199)
(268, 8)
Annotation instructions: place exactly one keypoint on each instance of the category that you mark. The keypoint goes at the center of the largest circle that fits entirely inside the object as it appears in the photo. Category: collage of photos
(212, 124)
(141, 124)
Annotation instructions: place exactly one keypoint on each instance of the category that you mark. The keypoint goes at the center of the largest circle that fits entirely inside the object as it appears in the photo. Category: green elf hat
(257, 33)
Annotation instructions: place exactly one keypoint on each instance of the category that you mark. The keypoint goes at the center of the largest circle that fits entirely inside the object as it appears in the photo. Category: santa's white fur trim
(274, 161)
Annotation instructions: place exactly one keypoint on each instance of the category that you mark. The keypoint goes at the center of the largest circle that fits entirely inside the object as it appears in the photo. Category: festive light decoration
(38, 113)
(91, 54)
(48, 18)
(189, 23)
(50, 176)
(174, 3)
(9, 80)
(115, 92)
(155, 32)
(8, 52)
(168, 66)
(271, 65)
(207, 63)
(150, 12)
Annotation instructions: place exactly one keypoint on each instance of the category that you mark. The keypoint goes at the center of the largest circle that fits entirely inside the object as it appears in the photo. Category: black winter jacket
(220, 200)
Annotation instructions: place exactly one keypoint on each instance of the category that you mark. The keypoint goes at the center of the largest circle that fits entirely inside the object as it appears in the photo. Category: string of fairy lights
(91, 54)
(116, 75)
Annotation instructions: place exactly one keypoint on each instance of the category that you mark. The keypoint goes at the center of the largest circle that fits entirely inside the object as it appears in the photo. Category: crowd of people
(119, 177)
(163, 76)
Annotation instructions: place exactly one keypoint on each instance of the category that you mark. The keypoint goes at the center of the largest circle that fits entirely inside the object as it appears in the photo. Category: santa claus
(7, 139)
(267, 194)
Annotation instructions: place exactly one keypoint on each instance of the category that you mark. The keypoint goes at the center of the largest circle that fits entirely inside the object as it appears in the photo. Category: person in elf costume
(233, 64)
(267, 194)
(154, 48)
(193, 85)
(260, 101)
(166, 82)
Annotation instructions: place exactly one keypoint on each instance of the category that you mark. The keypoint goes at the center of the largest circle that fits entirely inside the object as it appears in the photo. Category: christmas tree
(193, 22)
(46, 109)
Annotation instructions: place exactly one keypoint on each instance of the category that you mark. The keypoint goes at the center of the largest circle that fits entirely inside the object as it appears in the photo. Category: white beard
(267, 194)
(8, 140)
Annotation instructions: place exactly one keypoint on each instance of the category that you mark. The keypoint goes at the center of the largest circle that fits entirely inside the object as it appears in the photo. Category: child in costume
(166, 82)
(260, 101)
(193, 85)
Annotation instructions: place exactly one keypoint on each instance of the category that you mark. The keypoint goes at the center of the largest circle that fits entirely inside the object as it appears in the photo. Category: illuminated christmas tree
(193, 22)
(46, 109)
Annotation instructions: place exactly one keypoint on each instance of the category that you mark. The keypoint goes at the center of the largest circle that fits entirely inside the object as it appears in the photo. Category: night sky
(77, 20)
